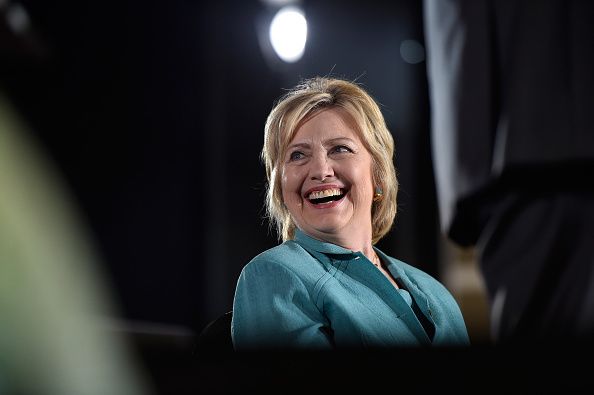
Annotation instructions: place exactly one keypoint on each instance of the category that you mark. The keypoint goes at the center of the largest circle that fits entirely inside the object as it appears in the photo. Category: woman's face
(327, 178)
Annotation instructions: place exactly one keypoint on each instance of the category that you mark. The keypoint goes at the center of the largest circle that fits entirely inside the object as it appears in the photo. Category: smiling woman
(332, 195)
(326, 180)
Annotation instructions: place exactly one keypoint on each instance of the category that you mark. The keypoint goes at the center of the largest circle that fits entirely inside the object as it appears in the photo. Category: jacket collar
(315, 245)
(310, 243)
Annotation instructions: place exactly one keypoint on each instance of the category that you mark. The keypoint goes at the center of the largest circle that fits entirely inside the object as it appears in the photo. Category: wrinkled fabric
(309, 294)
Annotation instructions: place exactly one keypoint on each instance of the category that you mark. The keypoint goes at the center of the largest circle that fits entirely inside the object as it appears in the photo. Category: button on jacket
(306, 293)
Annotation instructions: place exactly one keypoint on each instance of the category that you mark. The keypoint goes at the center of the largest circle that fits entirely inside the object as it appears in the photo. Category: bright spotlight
(288, 33)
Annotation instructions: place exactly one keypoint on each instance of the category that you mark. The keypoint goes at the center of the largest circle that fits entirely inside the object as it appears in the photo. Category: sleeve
(272, 308)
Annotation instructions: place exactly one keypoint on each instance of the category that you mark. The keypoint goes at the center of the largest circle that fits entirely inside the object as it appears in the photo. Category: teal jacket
(309, 294)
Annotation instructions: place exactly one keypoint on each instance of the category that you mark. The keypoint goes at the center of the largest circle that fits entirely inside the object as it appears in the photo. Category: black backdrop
(155, 113)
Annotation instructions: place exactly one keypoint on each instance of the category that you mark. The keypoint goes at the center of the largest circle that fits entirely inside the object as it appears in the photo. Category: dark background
(154, 112)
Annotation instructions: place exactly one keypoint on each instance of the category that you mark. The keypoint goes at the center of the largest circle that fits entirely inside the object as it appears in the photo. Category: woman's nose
(321, 168)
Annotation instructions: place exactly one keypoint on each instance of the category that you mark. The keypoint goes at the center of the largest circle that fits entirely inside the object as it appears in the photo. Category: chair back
(216, 336)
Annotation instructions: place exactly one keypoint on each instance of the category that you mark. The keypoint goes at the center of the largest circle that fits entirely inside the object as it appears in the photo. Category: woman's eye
(341, 149)
(296, 155)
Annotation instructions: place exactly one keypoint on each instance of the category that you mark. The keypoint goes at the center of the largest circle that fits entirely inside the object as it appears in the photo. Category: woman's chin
(319, 227)
(328, 218)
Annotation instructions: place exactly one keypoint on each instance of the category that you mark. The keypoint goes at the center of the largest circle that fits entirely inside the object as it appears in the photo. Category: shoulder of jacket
(286, 255)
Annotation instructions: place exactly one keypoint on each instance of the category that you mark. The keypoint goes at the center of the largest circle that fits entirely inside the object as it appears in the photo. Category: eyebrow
(325, 143)
(339, 139)
(298, 145)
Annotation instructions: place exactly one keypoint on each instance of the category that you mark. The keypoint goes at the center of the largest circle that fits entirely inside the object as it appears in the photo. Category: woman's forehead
(324, 126)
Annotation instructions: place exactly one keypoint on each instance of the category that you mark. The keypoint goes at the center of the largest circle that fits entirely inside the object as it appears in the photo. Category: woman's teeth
(324, 193)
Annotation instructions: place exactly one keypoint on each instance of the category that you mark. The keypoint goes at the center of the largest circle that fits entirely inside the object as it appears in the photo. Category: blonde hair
(303, 101)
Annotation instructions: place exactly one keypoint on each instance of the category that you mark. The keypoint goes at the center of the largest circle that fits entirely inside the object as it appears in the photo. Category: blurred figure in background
(512, 97)
(54, 308)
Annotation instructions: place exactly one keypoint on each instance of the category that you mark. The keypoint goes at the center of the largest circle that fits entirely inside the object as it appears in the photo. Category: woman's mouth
(321, 198)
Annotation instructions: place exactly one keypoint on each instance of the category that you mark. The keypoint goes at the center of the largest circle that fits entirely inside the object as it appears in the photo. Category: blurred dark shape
(216, 336)
(19, 39)
(512, 99)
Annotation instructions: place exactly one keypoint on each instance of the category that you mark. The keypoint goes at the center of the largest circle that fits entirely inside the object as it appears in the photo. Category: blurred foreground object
(53, 307)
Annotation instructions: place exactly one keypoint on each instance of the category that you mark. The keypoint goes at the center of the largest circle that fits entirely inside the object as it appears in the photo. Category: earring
(378, 195)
